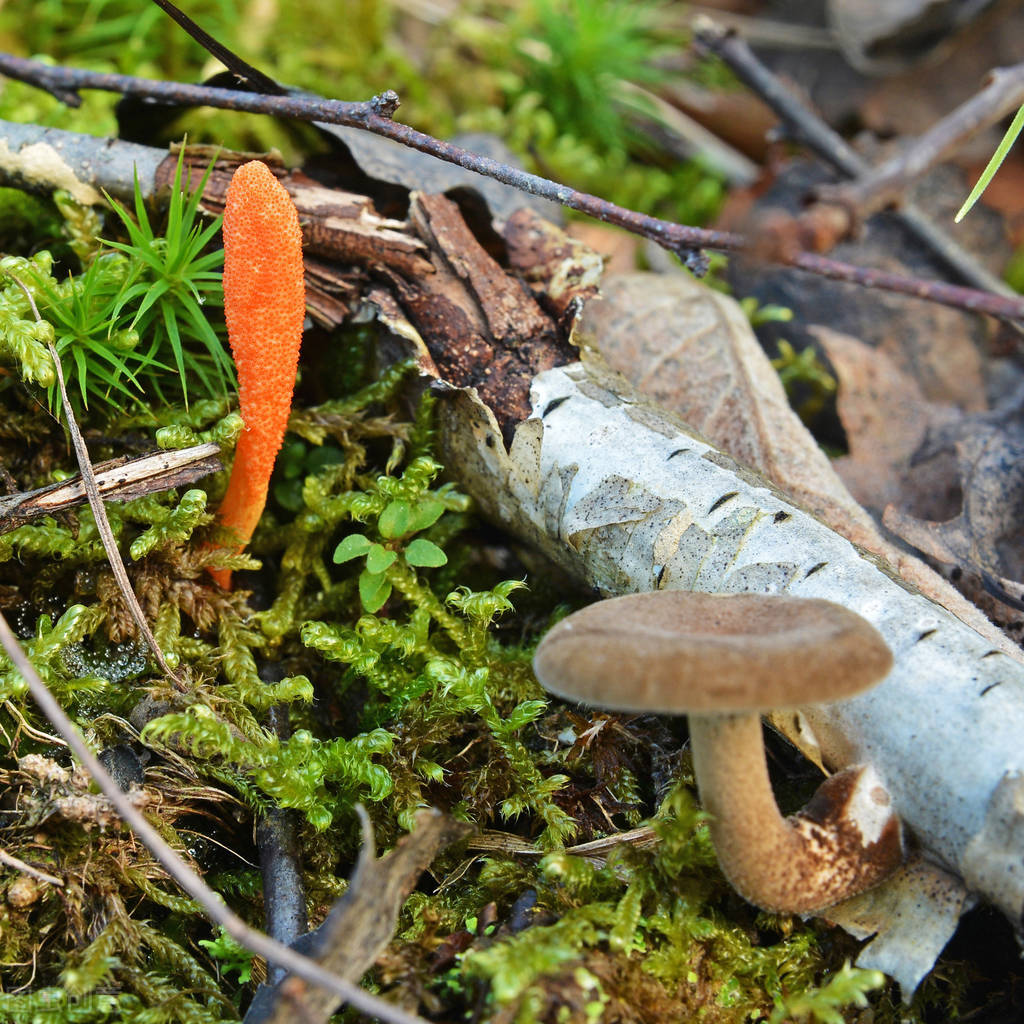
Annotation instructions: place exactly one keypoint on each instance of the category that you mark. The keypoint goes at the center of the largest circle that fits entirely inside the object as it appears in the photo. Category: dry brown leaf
(886, 419)
(883, 36)
(692, 350)
(939, 347)
(985, 537)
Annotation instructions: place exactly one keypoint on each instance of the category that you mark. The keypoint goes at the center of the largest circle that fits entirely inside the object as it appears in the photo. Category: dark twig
(805, 126)
(969, 299)
(259, 81)
(277, 839)
(179, 870)
(375, 116)
(883, 185)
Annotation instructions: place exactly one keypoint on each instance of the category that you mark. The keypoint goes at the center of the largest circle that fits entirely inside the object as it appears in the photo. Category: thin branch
(375, 116)
(92, 492)
(26, 869)
(179, 870)
(884, 184)
(969, 299)
(116, 480)
(808, 128)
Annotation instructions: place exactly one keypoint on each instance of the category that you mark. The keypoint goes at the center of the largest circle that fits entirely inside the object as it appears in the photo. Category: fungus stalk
(844, 841)
(264, 306)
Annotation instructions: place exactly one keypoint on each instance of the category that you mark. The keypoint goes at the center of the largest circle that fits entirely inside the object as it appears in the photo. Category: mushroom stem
(846, 840)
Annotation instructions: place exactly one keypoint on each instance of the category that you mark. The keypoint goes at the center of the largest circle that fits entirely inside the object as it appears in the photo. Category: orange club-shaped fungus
(264, 306)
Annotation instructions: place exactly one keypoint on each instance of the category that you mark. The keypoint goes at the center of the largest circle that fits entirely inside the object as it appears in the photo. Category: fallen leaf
(986, 536)
(883, 36)
(384, 160)
(937, 346)
(886, 419)
(692, 350)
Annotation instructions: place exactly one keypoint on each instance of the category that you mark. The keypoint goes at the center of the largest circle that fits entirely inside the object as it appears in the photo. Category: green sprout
(113, 323)
(993, 165)
(88, 330)
(172, 279)
(767, 314)
(406, 508)
(230, 955)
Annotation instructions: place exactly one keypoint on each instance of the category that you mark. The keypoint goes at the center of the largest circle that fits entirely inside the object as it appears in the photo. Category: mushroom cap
(673, 651)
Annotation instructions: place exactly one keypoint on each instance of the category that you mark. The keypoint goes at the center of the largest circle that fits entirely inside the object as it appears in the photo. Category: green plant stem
(408, 584)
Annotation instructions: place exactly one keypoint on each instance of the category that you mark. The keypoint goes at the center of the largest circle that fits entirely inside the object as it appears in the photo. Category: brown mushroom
(722, 659)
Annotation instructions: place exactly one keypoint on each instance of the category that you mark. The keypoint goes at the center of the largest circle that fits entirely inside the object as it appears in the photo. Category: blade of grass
(993, 165)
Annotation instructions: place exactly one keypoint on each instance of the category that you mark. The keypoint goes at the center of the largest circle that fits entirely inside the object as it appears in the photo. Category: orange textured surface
(264, 306)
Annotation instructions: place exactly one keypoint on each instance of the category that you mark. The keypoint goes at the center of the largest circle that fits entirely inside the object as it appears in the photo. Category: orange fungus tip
(264, 306)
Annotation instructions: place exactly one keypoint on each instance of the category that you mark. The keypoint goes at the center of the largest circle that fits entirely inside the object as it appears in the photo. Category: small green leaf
(425, 553)
(426, 514)
(394, 520)
(374, 590)
(379, 558)
(355, 545)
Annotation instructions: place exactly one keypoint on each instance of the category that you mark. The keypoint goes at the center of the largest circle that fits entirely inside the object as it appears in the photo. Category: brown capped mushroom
(722, 659)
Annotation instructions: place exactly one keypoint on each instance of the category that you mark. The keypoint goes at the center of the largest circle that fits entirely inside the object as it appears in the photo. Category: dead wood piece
(336, 225)
(116, 480)
(362, 922)
(560, 270)
(482, 327)
(331, 291)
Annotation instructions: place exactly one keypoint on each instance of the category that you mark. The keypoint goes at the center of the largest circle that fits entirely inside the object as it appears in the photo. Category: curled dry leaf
(692, 350)
(937, 346)
(985, 536)
(907, 459)
(883, 36)
(886, 419)
(950, 485)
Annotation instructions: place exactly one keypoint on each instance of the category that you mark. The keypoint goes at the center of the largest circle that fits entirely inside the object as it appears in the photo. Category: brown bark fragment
(556, 266)
(482, 326)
